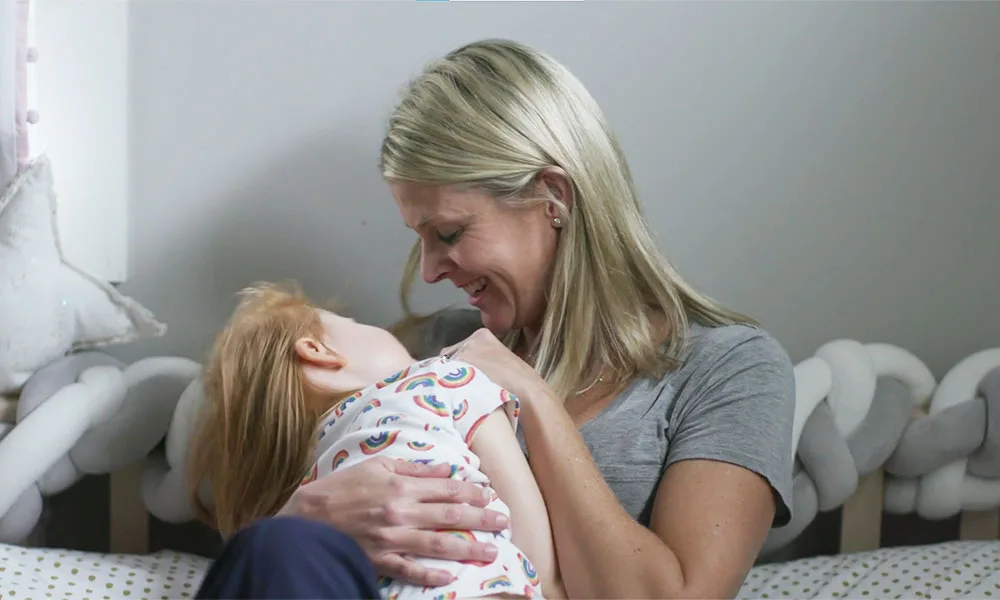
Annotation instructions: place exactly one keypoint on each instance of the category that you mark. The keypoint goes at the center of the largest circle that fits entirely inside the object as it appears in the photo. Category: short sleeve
(738, 407)
(473, 397)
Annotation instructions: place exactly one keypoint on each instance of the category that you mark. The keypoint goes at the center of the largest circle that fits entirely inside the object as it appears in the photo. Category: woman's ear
(317, 354)
(555, 182)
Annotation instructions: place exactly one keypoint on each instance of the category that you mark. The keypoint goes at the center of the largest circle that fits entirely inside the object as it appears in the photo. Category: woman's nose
(433, 268)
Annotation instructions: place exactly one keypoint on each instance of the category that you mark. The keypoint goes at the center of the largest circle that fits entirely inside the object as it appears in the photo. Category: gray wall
(832, 168)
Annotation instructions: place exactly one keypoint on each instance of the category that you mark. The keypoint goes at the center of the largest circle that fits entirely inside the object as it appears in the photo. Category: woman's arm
(713, 507)
(503, 462)
(710, 520)
(711, 515)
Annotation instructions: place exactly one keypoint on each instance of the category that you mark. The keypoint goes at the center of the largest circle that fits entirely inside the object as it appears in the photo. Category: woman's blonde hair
(492, 115)
(253, 441)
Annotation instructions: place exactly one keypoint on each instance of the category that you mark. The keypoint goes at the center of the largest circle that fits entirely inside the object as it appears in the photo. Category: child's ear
(316, 353)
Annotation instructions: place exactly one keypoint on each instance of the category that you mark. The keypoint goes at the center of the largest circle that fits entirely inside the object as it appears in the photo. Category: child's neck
(330, 398)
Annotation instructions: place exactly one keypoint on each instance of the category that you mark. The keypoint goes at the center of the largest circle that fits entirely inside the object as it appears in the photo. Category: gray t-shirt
(731, 399)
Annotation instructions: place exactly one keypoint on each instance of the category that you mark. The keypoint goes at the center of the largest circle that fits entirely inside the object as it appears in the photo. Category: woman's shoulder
(719, 361)
(734, 346)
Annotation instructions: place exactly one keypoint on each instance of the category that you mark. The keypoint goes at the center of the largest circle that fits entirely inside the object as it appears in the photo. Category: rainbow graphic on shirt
(310, 475)
(528, 568)
(506, 397)
(447, 596)
(457, 377)
(340, 408)
(462, 534)
(387, 419)
(472, 430)
(371, 406)
(326, 427)
(339, 458)
(431, 403)
(468, 536)
(500, 581)
(384, 582)
(417, 382)
(461, 410)
(420, 446)
(392, 378)
(429, 427)
(378, 442)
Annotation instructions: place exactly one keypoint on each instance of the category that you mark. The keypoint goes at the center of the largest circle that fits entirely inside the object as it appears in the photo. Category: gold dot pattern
(40, 574)
(947, 570)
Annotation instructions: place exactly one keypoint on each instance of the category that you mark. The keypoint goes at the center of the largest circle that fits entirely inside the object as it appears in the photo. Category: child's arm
(503, 462)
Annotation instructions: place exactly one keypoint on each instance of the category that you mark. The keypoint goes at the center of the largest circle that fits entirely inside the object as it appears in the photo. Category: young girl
(291, 388)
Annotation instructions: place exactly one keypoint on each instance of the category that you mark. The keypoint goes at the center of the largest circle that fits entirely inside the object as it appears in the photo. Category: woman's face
(500, 256)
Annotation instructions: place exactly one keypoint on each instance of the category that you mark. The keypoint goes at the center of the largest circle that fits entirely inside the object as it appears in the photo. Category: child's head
(279, 363)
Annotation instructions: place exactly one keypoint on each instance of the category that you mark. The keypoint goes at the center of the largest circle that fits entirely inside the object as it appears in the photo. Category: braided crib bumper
(860, 409)
(864, 407)
(948, 459)
(84, 414)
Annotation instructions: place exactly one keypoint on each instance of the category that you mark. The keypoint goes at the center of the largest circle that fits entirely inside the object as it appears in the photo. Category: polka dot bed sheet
(37, 573)
(946, 570)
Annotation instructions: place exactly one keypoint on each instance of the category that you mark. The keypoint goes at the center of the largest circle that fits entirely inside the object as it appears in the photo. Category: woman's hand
(394, 508)
(485, 352)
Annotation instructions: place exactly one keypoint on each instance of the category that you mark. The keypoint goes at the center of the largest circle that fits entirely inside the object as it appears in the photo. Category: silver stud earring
(557, 222)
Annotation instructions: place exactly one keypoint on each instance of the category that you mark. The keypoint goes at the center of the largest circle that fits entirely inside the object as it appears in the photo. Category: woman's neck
(525, 344)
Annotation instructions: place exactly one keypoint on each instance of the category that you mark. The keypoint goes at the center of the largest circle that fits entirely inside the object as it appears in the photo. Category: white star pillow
(48, 307)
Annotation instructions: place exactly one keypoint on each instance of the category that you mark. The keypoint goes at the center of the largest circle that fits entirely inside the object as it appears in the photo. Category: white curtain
(14, 148)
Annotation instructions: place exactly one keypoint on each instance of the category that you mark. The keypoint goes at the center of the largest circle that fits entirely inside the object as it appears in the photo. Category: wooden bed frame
(129, 520)
(861, 520)
(860, 529)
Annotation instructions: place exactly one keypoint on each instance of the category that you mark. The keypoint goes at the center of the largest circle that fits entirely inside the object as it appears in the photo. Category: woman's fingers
(438, 489)
(432, 483)
(433, 516)
(413, 511)
(451, 351)
(441, 545)
(415, 469)
(397, 567)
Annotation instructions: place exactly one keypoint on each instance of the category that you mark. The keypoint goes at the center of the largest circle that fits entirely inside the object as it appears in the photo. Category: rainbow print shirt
(429, 413)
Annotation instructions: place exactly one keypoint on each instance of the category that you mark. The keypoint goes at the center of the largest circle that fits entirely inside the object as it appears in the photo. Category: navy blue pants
(289, 557)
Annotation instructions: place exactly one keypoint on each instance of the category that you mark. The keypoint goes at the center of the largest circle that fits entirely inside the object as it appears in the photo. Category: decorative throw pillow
(48, 307)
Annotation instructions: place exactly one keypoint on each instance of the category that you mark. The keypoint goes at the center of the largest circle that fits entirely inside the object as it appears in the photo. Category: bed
(874, 432)
(908, 445)
(965, 568)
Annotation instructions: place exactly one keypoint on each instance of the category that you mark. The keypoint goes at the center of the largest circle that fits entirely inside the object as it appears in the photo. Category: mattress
(36, 573)
(946, 570)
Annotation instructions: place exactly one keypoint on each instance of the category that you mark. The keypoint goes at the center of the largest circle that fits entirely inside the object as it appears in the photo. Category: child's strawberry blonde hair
(254, 442)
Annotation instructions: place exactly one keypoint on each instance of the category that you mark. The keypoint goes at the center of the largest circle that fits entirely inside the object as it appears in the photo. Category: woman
(657, 422)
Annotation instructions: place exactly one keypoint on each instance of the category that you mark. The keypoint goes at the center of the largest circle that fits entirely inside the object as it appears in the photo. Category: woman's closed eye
(450, 238)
